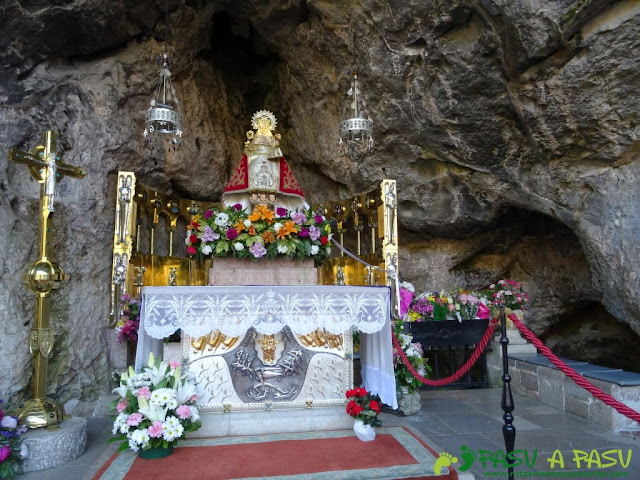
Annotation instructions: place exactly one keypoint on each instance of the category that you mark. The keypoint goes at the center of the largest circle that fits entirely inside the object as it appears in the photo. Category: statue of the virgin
(263, 176)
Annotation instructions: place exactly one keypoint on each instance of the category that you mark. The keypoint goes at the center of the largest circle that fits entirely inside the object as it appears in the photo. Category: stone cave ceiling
(512, 127)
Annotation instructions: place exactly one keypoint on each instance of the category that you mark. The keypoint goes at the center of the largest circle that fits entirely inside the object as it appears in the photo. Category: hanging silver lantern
(356, 130)
(163, 126)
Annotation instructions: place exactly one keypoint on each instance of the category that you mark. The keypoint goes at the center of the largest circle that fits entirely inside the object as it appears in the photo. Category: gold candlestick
(44, 277)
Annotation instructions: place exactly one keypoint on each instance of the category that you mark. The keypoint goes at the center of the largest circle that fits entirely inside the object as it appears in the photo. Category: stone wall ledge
(534, 376)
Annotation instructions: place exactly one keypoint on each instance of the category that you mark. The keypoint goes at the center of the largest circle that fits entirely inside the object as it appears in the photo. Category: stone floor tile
(430, 425)
(475, 423)
(446, 405)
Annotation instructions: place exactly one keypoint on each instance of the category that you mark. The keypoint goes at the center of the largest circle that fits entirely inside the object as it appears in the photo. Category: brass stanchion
(43, 278)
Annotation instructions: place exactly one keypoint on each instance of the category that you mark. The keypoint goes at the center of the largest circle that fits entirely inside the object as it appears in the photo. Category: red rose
(360, 392)
(373, 405)
(353, 408)
(193, 239)
(191, 250)
(350, 393)
(324, 239)
(195, 225)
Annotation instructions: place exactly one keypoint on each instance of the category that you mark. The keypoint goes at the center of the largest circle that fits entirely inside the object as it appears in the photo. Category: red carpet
(264, 456)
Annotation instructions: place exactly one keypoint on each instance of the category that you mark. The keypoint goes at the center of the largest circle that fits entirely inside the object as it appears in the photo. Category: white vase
(365, 433)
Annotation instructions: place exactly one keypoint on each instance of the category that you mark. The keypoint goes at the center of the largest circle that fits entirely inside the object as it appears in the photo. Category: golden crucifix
(44, 277)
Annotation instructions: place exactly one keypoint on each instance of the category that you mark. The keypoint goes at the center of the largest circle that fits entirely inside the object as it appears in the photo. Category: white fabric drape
(303, 308)
(376, 358)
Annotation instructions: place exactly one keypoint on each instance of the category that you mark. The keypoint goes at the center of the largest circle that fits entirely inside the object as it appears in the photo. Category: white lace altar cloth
(303, 308)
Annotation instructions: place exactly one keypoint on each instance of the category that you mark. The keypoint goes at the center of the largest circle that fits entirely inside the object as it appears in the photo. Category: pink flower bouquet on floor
(156, 407)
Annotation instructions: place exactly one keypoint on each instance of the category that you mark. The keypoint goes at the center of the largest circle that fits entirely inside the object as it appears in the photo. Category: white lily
(151, 411)
(121, 390)
(184, 391)
(157, 374)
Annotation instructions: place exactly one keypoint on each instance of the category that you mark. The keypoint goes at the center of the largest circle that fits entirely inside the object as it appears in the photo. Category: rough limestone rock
(512, 129)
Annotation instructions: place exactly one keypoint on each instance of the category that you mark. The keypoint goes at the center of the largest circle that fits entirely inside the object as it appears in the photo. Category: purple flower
(237, 207)
(314, 233)
(208, 213)
(281, 212)
(258, 250)
(209, 235)
(318, 218)
(304, 233)
(231, 233)
(4, 453)
(298, 218)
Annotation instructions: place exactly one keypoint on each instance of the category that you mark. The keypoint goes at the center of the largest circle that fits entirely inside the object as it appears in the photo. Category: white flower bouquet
(156, 407)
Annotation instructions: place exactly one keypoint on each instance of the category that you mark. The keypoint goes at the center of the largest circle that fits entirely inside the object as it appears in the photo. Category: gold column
(43, 278)
(126, 232)
(388, 231)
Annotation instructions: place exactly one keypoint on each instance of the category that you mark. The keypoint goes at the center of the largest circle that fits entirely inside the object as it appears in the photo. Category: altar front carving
(285, 353)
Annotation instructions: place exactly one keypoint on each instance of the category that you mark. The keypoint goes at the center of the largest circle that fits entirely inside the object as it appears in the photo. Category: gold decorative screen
(149, 235)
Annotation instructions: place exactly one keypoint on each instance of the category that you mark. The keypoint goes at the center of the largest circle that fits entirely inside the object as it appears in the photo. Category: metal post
(508, 429)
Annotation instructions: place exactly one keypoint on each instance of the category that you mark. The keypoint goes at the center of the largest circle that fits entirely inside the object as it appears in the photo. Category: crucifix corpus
(43, 277)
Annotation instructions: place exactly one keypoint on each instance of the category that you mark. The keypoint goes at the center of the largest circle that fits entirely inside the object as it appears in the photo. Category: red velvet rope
(571, 373)
(456, 376)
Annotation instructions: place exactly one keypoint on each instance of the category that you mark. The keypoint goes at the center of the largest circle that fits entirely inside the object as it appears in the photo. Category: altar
(259, 348)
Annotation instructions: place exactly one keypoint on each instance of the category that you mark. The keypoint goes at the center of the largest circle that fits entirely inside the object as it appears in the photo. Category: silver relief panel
(238, 378)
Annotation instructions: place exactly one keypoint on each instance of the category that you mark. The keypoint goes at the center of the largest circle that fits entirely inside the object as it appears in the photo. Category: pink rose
(155, 430)
(134, 419)
(183, 412)
(143, 392)
(191, 250)
(208, 213)
(173, 364)
(122, 404)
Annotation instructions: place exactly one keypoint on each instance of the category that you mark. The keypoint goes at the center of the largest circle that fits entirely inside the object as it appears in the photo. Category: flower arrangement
(129, 322)
(364, 406)
(262, 233)
(466, 304)
(429, 306)
(10, 448)
(508, 293)
(156, 407)
(414, 353)
(438, 306)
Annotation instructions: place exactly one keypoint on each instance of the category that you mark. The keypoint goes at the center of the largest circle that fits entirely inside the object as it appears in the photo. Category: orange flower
(268, 237)
(262, 212)
(255, 216)
(239, 226)
(288, 228)
(252, 230)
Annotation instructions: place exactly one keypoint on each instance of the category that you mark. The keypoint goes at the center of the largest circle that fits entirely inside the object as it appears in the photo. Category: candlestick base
(40, 412)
